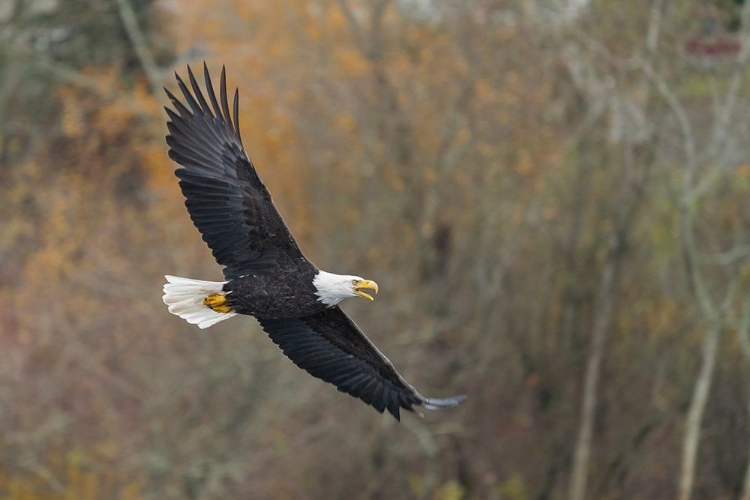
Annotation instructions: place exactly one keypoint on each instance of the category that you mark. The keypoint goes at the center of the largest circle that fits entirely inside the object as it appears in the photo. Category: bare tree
(714, 304)
(628, 201)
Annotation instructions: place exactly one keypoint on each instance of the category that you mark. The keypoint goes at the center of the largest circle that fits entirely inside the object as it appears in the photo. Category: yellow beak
(364, 285)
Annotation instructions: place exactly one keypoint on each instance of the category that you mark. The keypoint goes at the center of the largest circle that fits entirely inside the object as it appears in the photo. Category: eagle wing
(330, 346)
(225, 197)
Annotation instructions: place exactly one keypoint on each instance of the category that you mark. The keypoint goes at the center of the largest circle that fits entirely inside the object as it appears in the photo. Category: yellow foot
(217, 302)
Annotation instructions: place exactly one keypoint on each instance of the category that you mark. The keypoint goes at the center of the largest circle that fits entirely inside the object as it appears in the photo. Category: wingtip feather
(451, 402)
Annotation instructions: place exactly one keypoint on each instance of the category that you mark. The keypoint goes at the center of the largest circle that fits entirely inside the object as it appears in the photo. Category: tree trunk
(746, 486)
(695, 413)
(605, 299)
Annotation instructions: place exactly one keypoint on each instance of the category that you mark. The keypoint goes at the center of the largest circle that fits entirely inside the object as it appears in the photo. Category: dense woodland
(552, 194)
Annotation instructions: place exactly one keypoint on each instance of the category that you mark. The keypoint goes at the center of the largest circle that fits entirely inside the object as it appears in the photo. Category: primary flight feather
(267, 275)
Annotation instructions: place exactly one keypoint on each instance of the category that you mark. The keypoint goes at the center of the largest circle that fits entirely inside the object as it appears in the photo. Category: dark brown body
(284, 294)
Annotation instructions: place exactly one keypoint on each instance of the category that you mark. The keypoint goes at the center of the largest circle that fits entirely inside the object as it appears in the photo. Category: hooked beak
(364, 285)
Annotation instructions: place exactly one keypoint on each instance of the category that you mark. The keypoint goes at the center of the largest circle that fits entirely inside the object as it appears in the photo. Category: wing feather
(225, 198)
(223, 93)
(331, 347)
(210, 90)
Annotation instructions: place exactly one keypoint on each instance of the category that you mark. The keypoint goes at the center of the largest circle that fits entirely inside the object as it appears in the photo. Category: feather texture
(331, 347)
(225, 198)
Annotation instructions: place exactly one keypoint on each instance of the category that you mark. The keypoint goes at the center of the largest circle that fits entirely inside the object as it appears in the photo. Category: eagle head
(333, 288)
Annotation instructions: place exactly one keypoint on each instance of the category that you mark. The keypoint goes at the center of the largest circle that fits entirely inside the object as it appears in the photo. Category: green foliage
(513, 488)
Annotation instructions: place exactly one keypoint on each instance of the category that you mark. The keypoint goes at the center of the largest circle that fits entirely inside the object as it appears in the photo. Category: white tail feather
(184, 298)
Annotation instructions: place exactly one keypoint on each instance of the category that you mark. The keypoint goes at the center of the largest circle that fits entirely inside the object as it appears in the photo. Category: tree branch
(145, 56)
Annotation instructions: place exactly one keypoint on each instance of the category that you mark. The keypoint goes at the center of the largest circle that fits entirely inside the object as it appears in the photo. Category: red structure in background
(713, 46)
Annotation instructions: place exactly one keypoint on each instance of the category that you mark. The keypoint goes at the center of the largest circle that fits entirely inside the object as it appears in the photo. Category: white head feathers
(333, 288)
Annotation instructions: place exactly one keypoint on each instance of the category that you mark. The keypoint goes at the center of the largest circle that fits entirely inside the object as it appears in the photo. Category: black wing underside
(226, 199)
(331, 347)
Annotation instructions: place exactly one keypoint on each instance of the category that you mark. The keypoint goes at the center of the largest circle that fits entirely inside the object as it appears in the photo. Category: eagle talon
(217, 302)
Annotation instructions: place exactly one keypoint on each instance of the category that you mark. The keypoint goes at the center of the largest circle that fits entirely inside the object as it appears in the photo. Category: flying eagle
(267, 275)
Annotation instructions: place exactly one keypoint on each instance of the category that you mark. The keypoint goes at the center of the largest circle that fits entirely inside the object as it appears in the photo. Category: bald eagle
(267, 275)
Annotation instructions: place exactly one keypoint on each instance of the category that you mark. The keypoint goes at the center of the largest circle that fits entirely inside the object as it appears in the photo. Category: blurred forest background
(552, 195)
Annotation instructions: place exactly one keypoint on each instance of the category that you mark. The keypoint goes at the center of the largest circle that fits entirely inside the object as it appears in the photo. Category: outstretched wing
(226, 199)
(331, 347)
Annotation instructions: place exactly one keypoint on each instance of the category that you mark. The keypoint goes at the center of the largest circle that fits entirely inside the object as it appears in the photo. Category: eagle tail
(198, 302)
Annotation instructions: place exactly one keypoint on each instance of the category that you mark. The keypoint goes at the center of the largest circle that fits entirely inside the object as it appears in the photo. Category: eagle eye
(354, 282)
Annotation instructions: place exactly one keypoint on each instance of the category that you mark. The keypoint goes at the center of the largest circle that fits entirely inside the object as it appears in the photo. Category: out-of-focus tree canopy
(552, 195)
